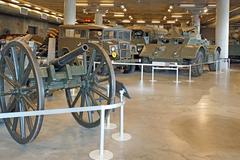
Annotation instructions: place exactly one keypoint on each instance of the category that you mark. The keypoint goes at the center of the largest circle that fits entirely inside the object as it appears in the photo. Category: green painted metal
(110, 38)
(182, 48)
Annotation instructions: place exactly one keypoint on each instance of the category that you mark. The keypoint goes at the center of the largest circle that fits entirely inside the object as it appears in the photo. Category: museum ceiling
(148, 10)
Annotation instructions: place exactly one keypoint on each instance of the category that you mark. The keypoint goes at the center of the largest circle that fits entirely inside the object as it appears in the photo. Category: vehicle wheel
(197, 70)
(129, 69)
(97, 88)
(146, 68)
(21, 90)
(213, 66)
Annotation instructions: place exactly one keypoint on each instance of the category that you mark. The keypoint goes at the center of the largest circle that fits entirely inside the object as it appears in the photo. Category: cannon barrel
(69, 57)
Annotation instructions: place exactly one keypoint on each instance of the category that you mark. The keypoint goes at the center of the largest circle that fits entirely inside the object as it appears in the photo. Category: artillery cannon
(23, 83)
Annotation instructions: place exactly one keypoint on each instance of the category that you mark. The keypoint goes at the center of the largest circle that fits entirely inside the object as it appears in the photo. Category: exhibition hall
(119, 80)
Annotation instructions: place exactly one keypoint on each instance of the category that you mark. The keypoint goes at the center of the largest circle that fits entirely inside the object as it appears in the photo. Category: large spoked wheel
(21, 90)
(197, 69)
(97, 86)
(213, 66)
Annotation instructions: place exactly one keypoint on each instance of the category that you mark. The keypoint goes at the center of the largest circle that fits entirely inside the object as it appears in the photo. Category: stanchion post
(217, 65)
(102, 134)
(142, 73)
(190, 73)
(108, 124)
(121, 136)
(177, 75)
(153, 68)
(101, 154)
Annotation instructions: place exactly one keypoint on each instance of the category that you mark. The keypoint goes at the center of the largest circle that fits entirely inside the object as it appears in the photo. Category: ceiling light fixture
(122, 6)
(13, 5)
(124, 10)
(169, 10)
(187, 5)
(126, 21)
(2, 2)
(141, 21)
(156, 21)
(82, 4)
(45, 10)
(205, 10)
(38, 8)
(171, 22)
(14, 1)
(27, 5)
(118, 15)
(106, 4)
(170, 7)
(212, 5)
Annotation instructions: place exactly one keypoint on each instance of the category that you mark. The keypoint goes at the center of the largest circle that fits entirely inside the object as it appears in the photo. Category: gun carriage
(24, 82)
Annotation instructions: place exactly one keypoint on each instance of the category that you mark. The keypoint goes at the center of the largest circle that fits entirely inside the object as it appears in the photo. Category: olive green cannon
(24, 83)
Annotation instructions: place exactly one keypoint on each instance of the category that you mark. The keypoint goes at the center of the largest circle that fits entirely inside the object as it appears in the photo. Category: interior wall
(19, 25)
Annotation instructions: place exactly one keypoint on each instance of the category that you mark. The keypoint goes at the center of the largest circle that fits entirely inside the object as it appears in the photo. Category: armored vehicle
(115, 40)
(185, 47)
(142, 35)
(234, 45)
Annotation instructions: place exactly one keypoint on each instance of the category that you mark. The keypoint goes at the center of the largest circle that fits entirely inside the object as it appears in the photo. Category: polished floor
(167, 121)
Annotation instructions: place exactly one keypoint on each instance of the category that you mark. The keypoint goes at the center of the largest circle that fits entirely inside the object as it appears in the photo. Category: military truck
(183, 46)
(234, 45)
(143, 35)
(115, 40)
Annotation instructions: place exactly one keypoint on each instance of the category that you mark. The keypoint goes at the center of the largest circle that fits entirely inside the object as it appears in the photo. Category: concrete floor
(188, 121)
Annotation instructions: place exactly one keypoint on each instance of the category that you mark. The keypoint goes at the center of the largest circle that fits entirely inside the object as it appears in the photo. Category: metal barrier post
(229, 63)
(190, 74)
(108, 124)
(153, 69)
(101, 154)
(121, 136)
(217, 66)
(142, 73)
(177, 73)
(102, 134)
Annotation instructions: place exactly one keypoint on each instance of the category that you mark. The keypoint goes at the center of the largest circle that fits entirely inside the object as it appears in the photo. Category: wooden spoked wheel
(97, 86)
(21, 89)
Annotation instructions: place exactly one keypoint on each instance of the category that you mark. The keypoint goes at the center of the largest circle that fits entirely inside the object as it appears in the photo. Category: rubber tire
(212, 67)
(146, 69)
(198, 69)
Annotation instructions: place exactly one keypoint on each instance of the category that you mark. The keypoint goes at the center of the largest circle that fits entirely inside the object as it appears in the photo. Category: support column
(69, 12)
(197, 22)
(222, 27)
(98, 18)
